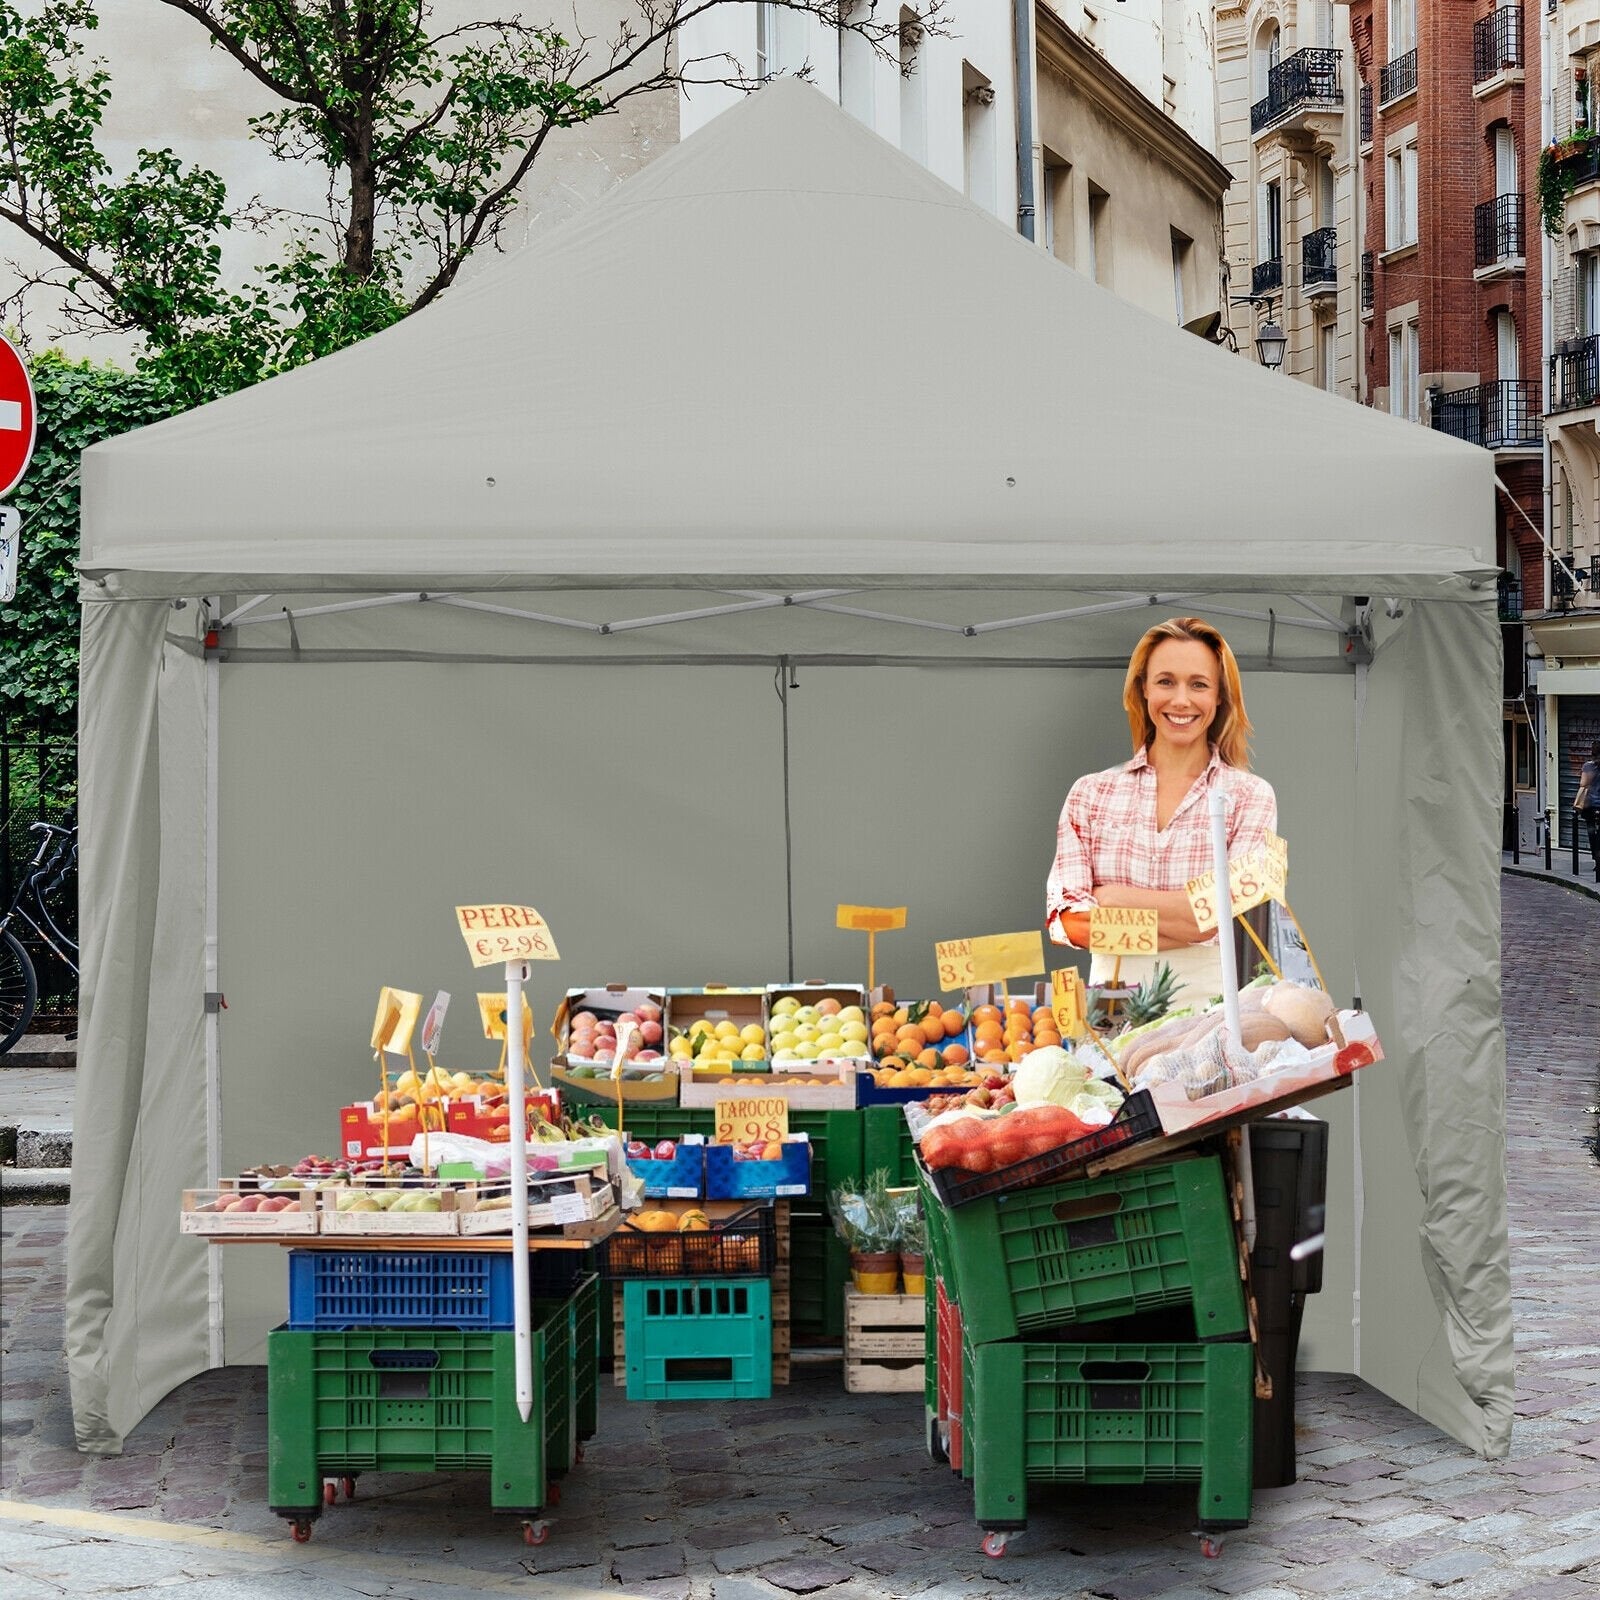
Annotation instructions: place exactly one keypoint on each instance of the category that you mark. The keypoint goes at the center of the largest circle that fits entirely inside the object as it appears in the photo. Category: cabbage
(1049, 1076)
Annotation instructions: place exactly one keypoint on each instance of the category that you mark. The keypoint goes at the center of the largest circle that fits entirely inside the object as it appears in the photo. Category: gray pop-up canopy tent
(772, 535)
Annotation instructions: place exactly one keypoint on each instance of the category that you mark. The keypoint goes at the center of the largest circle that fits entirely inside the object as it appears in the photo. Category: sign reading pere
(496, 934)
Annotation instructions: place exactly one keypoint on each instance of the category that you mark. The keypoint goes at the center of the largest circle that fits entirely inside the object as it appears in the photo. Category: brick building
(1451, 281)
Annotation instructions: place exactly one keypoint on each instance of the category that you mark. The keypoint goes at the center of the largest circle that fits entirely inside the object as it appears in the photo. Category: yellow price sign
(492, 1010)
(751, 1117)
(870, 919)
(1123, 931)
(1069, 1002)
(398, 1010)
(1252, 879)
(495, 934)
(954, 958)
(990, 959)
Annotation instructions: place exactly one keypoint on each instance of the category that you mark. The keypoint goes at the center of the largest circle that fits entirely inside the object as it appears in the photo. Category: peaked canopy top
(784, 349)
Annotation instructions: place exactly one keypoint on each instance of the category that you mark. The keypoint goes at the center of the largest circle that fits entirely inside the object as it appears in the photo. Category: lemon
(853, 1030)
(784, 1041)
(782, 1006)
(829, 1041)
(806, 1032)
(753, 1033)
(852, 1014)
(785, 1054)
(727, 1030)
(753, 1052)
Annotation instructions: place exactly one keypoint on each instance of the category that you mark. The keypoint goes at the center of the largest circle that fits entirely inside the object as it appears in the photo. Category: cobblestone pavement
(818, 1494)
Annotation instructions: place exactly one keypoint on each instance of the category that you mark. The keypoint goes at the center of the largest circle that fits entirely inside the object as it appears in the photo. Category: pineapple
(1152, 999)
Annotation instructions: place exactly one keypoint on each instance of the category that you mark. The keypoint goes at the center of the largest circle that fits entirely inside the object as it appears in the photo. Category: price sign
(496, 934)
(10, 548)
(433, 1023)
(870, 919)
(492, 1010)
(397, 1016)
(990, 959)
(569, 1208)
(751, 1117)
(1262, 875)
(1069, 1002)
(1123, 931)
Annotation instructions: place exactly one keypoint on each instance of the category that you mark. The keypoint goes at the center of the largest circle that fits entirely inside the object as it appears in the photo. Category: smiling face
(1182, 691)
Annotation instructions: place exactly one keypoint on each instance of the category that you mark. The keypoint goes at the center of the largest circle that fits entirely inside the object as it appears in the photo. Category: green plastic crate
(698, 1338)
(1111, 1414)
(937, 1217)
(555, 1320)
(407, 1400)
(650, 1123)
(887, 1143)
(587, 1300)
(1099, 1248)
(819, 1270)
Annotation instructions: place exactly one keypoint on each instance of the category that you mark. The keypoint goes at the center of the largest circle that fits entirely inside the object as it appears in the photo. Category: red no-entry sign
(16, 417)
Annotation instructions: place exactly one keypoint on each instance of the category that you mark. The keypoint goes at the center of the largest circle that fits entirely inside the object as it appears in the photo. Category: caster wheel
(994, 1545)
(552, 1494)
(300, 1529)
(535, 1532)
(349, 1487)
(330, 1492)
(1211, 1545)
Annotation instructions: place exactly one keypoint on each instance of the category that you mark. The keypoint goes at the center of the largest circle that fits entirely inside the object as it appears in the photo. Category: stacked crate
(1093, 1332)
(405, 1361)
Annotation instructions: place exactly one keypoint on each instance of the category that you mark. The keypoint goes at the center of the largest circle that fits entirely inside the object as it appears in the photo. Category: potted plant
(913, 1246)
(866, 1220)
(1560, 166)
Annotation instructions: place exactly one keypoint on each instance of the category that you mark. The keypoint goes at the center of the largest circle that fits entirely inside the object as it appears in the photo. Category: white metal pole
(517, 973)
(1230, 996)
(213, 1019)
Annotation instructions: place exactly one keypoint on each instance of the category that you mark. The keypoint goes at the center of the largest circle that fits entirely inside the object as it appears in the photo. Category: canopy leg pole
(517, 974)
(1230, 994)
(213, 1013)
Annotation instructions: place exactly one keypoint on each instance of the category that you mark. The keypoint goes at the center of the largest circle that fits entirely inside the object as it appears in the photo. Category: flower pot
(913, 1269)
(877, 1273)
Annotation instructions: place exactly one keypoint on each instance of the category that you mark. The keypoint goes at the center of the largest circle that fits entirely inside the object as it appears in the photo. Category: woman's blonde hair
(1230, 728)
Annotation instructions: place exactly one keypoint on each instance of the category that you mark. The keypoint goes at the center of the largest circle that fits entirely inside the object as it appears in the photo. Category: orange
(1014, 1004)
(994, 1057)
(955, 1055)
(911, 1035)
(920, 1077)
(1041, 1039)
(902, 1080)
(928, 1059)
(901, 1016)
(882, 1008)
(933, 1031)
(986, 1014)
(988, 1031)
(953, 1022)
(1015, 1052)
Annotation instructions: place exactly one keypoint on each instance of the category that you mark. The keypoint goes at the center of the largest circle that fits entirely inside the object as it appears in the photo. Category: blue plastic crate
(343, 1289)
(728, 1179)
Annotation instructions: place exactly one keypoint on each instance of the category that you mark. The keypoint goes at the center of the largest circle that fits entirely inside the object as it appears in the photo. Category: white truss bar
(880, 616)
(1127, 603)
(337, 606)
(754, 602)
(1282, 621)
(1316, 611)
(512, 611)
(249, 605)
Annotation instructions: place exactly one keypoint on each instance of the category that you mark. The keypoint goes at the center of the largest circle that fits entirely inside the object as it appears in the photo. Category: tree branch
(201, 13)
(61, 252)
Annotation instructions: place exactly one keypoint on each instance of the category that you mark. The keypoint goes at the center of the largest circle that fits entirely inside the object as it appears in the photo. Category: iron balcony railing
(1366, 280)
(1581, 165)
(1509, 587)
(1499, 416)
(1307, 78)
(1496, 42)
(1319, 265)
(1266, 276)
(1575, 373)
(1397, 78)
(1497, 230)
(1366, 113)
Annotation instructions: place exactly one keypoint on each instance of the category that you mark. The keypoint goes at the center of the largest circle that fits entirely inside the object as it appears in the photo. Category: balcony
(1367, 286)
(1497, 57)
(1499, 416)
(1577, 172)
(1397, 79)
(1266, 277)
(1497, 231)
(1307, 82)
(1509, 595)
(1366, 114)
(1319, 266)
(1575, 374)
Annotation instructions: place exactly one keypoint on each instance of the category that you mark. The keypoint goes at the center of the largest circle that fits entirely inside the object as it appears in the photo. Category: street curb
(36, 1186)
(1592, 892)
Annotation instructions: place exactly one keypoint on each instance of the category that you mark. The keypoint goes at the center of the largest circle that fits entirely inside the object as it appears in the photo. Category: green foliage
(1557, 177)
(79, 404)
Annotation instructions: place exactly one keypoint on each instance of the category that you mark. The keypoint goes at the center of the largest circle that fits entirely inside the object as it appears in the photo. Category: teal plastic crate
(1098, 1249)
(698, 1338)
(1110, 1414)
(410, 1400)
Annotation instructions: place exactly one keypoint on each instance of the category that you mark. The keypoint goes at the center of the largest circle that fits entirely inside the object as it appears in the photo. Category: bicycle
(56, 856)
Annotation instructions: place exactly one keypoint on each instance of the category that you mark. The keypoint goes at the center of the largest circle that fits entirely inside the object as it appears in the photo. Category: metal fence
(1497, 230)
(39, 783)
(1499, 416)
(1575, 373)
(1496, 42)
(1397, 78)
(1307, 78)
(1319, 260)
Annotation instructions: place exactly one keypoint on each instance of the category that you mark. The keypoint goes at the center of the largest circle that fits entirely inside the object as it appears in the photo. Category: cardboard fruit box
(202, 1211)
(717, 1003)
(706, 1086)
(682, 1176)
(555, 1200)
(364, 1126)
(812, 993)
(477, 1118)
(728, 1177)
(606, 1005)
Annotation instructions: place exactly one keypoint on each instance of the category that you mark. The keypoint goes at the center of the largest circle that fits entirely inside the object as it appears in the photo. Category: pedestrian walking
(1587, 804)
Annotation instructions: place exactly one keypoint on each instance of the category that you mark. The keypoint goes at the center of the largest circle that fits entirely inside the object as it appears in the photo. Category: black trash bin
(1289, 1161)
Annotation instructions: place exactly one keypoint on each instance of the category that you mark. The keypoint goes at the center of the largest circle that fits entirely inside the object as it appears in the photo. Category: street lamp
(1271, 343)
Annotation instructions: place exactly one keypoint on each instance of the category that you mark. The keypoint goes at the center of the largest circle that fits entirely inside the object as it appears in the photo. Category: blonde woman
(1134, 835)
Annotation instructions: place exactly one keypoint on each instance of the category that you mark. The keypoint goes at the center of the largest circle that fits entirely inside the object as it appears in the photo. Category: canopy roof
(783, 350)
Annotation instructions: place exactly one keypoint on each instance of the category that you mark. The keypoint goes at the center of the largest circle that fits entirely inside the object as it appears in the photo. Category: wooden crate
(883, 1342)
